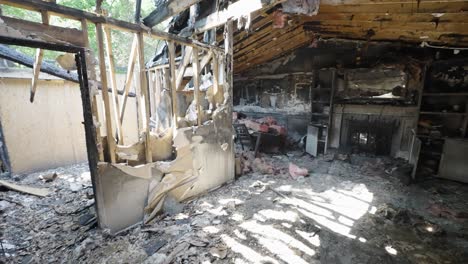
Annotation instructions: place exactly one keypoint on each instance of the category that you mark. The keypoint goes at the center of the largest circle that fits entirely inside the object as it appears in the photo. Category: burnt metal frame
(90, 132)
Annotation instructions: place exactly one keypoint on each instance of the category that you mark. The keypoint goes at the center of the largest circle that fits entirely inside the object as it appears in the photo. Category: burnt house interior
(241, 131)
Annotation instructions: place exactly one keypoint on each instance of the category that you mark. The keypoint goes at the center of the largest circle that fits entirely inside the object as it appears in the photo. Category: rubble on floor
(348, 210)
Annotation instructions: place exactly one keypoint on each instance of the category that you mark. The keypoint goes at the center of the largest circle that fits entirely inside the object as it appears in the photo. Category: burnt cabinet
(322, 94)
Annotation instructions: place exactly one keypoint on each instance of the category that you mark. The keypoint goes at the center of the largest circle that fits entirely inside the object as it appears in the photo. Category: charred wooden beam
(22, 29)
(23, 59)
(166, 10)
(77, 14)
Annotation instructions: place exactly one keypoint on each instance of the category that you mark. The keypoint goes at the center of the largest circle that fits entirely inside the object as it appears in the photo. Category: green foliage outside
(118, 9)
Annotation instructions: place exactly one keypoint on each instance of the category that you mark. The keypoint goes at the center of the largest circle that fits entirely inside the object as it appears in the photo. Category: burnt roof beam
(167, 9)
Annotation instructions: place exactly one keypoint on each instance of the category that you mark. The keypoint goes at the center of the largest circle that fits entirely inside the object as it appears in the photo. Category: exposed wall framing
(122, 172)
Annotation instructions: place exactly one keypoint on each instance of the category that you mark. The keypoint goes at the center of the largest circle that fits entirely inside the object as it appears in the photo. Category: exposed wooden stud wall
(196, 84)
(115, 104)
(105, 95)
(144, 93)
(187, 54)
(76, 14)
(93, 97)
(171, 48)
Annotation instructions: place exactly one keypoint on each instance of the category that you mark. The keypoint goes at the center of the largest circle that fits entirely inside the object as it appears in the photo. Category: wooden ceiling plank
(278, 40)
(411, 7)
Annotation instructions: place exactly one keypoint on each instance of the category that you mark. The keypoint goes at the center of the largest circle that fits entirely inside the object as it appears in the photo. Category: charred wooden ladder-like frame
(47, 37)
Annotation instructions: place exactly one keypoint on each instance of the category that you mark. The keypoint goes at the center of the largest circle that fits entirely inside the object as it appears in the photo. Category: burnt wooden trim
(90, 131)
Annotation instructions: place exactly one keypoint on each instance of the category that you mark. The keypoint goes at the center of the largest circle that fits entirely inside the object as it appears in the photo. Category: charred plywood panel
(453, 163)
(121, 192)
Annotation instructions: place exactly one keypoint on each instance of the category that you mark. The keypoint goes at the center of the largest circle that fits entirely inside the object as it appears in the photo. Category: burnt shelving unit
(443, 113)
(322, 94)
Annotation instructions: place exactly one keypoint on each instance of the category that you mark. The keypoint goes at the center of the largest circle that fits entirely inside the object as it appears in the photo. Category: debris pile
(322, 218)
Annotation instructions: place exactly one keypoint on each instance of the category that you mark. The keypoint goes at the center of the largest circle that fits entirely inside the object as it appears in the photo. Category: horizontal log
(27, 30)
(23, 59)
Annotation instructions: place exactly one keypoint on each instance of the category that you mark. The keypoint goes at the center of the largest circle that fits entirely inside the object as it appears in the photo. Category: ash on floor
(348, 210)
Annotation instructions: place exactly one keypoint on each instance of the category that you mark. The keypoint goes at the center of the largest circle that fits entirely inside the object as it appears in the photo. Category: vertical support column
(215, 65)
(110, 58)
(88, 117)
(171, 47)
(144, 93)
(228, 52)
(91, 74)
(105, 92)
(196, 83)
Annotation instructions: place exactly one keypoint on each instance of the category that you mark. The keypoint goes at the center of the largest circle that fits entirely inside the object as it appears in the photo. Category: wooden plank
(36, 71)
(271, 43)
(196, 84)
(414, 17)
(77, 14)
(215, 67)
(22, 29)
(274, 40)
(268, 55)
(38, 61)
(453, 28)
(144, 93)
(233, 11)
(129, 76)
(166, 10)
(92, 77)
(171, 48)
(398, 8)
(107, 108)
(115, 102)
(41, 192)
(366, 2)
(183, 66)
(389, 34)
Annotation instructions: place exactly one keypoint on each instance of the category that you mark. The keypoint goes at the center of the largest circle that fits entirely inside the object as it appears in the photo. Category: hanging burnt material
(306, 7)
